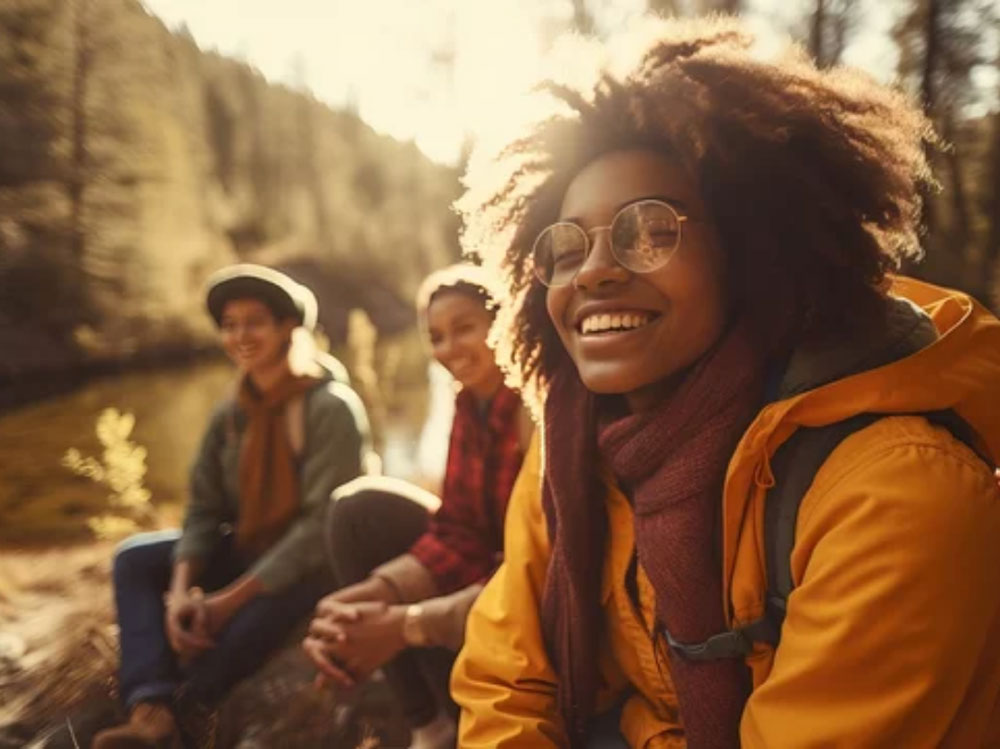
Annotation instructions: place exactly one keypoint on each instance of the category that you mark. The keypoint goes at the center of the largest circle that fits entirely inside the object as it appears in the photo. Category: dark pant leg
(142, 569)
(436, 665)
(141, 573)
(604, 732)
(250, 637)
(368, 525)
(370, 521)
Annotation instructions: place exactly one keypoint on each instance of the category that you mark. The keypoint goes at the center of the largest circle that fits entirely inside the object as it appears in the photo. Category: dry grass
(56, 605)
(59, 635)
(59, 653)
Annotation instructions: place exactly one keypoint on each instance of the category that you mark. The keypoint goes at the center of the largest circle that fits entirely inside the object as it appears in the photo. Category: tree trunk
(667, 8)
(992, 254)
(928, 93)
(928, 76)
(816, 33)
(956, 183)
(583, 22)
(77, 177)
(733, 7)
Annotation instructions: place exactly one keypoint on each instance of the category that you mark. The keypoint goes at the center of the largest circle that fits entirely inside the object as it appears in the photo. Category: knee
(349, 510)
(142, 554)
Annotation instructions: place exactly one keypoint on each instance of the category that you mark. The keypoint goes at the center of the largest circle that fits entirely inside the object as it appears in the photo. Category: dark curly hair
(461, 278)
(811, 177)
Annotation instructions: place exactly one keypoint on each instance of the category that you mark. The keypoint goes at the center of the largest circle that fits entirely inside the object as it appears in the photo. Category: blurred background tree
(132, 163)
(948, 55)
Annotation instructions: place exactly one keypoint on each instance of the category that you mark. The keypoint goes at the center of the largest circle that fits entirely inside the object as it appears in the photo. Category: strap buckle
(731, 644)
(734, 643)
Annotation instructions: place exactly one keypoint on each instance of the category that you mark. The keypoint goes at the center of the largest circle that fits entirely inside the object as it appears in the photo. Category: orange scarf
(268, 474)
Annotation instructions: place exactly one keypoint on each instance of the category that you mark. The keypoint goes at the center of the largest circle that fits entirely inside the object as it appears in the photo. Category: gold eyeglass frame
(682, 218)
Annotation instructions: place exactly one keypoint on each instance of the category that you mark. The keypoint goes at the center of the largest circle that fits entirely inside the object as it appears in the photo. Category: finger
(172, 631)
(198, 641)
(314, 649)
(324, 629)
(327, 607)
(326, 602)
(199, 619)
(339, 611)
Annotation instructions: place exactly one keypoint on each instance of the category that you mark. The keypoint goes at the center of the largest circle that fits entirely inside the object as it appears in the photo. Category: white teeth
(614, 321)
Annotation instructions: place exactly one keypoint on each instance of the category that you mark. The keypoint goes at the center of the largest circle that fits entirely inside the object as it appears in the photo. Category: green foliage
(121, 468)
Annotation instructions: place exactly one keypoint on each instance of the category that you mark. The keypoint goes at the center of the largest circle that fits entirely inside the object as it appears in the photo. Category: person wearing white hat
(201, 608)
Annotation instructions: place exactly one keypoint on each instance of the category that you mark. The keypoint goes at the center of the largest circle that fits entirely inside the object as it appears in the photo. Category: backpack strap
(795, 465)
(295, 421)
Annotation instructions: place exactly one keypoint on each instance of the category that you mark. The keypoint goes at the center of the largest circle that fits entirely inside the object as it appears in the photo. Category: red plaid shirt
(464, 541)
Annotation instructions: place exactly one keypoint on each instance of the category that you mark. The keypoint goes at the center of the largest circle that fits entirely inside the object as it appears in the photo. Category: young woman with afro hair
(699, 249)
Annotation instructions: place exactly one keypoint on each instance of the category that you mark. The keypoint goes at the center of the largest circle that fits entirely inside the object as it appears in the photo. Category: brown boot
(150, 726)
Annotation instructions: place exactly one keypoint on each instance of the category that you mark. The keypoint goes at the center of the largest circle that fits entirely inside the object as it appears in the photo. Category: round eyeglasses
(643, 236)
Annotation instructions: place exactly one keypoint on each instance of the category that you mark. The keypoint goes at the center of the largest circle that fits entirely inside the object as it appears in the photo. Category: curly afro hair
(811, 177)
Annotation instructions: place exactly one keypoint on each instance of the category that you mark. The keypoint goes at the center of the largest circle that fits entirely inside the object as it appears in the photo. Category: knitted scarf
(671, 461)
(268, 474)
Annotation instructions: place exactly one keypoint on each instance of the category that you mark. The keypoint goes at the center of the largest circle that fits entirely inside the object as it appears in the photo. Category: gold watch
(413, 626)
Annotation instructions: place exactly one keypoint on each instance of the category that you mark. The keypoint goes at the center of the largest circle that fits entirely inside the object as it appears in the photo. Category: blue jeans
(149, 670)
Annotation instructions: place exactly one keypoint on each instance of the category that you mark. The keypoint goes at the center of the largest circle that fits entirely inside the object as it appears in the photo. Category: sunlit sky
(388, 58)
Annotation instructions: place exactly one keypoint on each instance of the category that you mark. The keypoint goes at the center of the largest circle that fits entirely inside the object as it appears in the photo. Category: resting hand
(186, 623)
(348, 641)
(218, 609)
(368, 590)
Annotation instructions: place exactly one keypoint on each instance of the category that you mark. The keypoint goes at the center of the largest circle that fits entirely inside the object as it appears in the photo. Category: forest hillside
(132, 164)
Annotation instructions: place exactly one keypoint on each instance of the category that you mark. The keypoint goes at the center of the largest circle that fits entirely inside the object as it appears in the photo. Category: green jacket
(336, 441)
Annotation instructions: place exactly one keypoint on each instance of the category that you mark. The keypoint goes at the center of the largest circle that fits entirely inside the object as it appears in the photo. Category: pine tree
(830, 26)
(940, 43)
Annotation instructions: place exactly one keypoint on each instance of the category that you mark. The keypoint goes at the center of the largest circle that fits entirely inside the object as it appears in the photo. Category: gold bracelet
(413, 626)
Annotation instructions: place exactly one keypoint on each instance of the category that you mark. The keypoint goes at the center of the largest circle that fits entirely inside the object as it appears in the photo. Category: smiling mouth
(614, 322)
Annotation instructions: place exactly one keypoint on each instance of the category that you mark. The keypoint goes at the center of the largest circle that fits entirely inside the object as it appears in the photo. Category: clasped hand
(347, 641)
(192, 620)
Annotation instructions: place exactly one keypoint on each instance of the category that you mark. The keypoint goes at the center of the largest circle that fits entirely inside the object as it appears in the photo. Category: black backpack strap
(794, 466)
(960, 430)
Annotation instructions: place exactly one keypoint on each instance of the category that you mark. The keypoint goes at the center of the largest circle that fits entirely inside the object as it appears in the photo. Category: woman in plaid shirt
(411, 573)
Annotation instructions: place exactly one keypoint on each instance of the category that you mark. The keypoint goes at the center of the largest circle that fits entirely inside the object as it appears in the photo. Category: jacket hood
(941, 350)
(908, 329)
(911, 369)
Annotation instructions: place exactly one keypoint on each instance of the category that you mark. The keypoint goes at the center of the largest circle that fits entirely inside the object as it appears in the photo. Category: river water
(42, 502)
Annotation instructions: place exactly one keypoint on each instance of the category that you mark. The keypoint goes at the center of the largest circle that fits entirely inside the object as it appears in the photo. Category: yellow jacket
(892, 636)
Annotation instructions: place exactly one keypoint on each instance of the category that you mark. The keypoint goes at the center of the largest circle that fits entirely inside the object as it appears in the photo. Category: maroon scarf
(672, 461)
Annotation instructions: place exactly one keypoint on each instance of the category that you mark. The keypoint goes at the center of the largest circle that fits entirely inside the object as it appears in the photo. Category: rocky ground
(58, 653)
